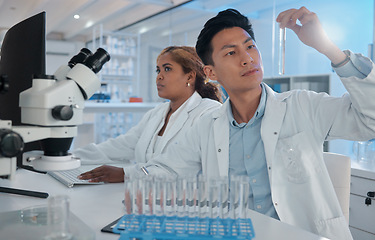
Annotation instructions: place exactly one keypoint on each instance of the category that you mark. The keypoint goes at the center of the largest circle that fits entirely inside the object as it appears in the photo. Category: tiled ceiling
(112, 14)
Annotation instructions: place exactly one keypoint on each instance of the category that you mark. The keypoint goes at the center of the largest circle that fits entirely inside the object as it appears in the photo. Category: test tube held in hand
(282, 38)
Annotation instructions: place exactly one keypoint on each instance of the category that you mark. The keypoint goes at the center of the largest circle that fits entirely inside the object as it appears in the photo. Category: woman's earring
(188, 84)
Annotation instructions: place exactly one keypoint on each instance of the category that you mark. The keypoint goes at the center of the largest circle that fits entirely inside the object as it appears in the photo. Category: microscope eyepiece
(97, 60)
(81, 57)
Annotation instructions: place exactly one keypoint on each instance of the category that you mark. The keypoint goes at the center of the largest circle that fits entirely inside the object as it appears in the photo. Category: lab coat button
(275, 133)
(219, 150)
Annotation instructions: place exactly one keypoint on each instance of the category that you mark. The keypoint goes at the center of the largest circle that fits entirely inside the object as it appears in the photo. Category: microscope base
(41, 162)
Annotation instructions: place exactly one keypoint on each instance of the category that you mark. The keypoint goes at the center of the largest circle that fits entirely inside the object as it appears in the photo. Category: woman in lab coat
(181, 80)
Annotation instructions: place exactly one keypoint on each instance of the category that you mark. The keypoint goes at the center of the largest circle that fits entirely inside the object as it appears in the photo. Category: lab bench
(99, 205)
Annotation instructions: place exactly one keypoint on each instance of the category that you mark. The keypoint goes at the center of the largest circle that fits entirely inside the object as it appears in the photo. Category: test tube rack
(150, 227)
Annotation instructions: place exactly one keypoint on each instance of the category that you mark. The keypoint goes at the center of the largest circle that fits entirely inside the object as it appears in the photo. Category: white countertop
(363, 170)
(99, 205)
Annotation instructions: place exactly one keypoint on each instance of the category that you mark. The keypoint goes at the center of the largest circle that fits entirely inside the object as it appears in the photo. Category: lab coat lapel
(221, 138)
(271, 124)
(177, 125)
(192, 103)
(153, 128)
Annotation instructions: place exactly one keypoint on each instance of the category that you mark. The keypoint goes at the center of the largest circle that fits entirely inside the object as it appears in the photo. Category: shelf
(122, 56)
(95, 107)
(117, 78)
(119, 81)
(317, 83)
(123, 68)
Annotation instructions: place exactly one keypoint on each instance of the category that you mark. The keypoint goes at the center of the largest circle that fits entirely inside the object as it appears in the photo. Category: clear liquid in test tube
(282, 38)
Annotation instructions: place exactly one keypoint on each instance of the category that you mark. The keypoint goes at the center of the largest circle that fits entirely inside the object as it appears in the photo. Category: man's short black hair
(225, 19)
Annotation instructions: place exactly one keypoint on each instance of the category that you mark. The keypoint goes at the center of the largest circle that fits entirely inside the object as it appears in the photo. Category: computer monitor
(22, 56)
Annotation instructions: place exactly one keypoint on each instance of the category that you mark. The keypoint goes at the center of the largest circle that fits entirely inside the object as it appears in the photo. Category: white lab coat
(294, 127)
(138, 143)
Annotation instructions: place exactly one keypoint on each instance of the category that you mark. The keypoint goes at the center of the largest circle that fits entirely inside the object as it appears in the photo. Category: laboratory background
(130, 75)
(135, 32)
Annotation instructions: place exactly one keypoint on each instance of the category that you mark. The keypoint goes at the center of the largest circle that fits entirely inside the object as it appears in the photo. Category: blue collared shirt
(247, 157)
(357, 66)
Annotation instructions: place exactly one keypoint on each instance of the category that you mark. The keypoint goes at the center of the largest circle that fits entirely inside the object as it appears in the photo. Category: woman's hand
(104, 173)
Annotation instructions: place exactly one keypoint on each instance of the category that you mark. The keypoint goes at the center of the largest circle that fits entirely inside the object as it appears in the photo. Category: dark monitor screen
(22, 56)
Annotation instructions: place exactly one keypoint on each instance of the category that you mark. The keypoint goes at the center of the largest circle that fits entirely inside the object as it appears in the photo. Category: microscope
(50, 112)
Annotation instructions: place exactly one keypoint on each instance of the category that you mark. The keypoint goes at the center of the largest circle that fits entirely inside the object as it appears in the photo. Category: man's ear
(210, 72)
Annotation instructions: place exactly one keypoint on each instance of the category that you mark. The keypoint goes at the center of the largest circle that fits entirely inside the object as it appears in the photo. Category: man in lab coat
(277, 138)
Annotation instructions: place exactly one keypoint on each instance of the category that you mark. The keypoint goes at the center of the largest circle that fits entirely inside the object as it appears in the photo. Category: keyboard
(69, 178)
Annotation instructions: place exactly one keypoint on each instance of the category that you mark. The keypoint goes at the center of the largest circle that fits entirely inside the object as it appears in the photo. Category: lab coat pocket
(334, 228)
(297, 157)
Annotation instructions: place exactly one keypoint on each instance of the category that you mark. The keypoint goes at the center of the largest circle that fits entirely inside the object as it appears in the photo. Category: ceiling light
(76, 16)
(143, 30)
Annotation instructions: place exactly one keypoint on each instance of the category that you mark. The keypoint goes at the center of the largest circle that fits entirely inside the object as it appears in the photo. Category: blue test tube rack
(150, 227)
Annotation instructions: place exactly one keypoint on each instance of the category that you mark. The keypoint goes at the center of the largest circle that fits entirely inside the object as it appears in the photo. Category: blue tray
(163, 227)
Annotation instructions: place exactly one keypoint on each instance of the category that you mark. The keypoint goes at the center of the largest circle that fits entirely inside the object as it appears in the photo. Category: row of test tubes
(190, 196)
